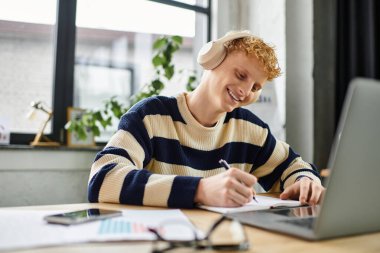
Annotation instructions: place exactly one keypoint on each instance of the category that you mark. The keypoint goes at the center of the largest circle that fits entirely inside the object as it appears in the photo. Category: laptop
(351, 204)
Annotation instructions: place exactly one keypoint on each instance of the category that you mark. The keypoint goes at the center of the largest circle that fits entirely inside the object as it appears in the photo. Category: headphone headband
(233, 36)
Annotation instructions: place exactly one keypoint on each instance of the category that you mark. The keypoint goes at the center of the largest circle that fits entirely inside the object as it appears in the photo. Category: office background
(59, 53)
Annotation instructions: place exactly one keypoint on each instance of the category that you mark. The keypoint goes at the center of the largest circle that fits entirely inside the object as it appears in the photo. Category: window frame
(65, 42)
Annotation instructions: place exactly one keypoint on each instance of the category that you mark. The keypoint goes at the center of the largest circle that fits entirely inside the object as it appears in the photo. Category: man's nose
(245, 89)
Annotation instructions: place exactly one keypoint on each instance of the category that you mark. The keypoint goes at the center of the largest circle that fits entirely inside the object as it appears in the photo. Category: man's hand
(231, 188)
(305, 190)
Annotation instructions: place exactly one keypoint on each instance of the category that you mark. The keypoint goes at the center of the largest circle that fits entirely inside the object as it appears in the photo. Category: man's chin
(244, 103)
(229, 107)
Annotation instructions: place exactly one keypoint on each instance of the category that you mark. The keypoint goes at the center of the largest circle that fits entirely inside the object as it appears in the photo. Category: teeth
(233, 96)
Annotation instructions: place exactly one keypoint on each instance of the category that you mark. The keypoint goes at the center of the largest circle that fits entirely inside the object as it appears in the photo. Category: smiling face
(234, 82)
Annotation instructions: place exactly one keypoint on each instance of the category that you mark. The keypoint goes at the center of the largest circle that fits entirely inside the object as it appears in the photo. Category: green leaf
(157, 60)
(169, 72)
(109, 121)
(103, 123)
(177, 39)
(82, 135)
(190, 81)
(157, 84)
(97, 116)
(159, 43)
(95, 130)
(86, 118)
(116, 112)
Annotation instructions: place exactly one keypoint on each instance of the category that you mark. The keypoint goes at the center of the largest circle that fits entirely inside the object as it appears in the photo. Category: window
(26, 60)
(201, 3)
(114, 47)
(99, 49)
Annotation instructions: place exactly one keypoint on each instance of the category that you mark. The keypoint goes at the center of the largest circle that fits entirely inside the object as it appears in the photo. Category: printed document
(27, 229)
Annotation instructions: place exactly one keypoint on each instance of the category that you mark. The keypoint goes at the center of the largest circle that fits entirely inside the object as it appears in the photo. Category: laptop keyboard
(303, 222)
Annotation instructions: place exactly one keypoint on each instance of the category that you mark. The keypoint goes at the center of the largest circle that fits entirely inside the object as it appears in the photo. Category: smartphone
(81, 216)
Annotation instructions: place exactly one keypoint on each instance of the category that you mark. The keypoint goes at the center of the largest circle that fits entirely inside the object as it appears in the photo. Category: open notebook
(263, 202)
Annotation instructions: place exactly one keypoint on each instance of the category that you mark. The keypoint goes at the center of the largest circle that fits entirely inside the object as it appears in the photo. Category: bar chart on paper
(134, 224)
(121, 226)
(124, 228)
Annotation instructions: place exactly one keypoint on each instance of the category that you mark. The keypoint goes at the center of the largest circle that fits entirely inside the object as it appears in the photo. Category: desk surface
(261, 240)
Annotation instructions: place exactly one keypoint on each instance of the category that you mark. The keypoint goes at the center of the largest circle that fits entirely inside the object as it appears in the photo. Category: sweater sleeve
(277, 166)
(118, 174)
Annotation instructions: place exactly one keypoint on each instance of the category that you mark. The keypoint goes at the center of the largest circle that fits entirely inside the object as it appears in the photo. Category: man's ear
(256, 95)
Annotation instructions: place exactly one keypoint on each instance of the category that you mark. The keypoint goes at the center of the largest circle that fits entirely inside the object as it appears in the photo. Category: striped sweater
(160, 152)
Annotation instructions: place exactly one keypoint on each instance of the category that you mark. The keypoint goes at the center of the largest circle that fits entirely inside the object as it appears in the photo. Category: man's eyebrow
(243, 70)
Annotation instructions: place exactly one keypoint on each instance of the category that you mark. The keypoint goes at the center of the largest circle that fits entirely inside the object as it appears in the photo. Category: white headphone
(213, 53)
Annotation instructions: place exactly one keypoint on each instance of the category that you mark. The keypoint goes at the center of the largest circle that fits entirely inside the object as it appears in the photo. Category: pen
(227, 166)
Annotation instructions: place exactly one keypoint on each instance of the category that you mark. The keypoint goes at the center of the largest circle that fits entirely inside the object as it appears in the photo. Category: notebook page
(263, 202)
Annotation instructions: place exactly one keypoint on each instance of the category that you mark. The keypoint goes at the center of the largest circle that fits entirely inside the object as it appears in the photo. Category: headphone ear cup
(256, 96)
(211, 55)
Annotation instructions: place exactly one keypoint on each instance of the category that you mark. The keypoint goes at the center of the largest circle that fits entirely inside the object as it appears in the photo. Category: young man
(166, 149)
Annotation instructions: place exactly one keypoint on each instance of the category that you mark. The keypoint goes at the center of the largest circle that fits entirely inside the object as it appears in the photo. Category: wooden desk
(261, 240)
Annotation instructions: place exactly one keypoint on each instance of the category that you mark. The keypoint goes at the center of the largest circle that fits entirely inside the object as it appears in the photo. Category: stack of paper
(26, 229)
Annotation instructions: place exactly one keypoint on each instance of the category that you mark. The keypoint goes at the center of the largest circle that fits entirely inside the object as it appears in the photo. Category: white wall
(299, 79)
(267, 20)
(38, 177)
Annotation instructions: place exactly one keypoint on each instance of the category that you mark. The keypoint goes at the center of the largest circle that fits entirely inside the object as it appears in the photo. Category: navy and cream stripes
(160, 152)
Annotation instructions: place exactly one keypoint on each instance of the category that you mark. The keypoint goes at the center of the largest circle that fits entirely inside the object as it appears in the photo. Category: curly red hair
(265, 53)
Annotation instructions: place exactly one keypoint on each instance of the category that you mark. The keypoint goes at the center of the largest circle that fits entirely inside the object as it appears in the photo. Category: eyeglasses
(224, 234)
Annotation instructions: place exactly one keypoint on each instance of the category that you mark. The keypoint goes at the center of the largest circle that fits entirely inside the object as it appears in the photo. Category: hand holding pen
(231, 188)
(227, 167)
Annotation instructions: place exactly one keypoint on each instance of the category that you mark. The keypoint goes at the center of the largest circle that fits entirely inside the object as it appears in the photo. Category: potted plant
(93, 120)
